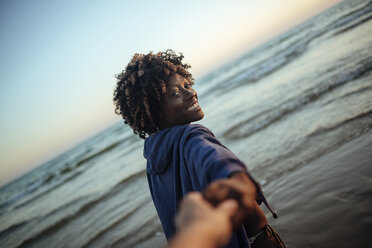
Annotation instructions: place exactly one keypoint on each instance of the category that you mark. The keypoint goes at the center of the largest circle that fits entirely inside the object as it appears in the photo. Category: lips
(193, 107)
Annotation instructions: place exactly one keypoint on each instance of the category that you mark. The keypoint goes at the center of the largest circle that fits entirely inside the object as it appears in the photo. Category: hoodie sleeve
(207, 158)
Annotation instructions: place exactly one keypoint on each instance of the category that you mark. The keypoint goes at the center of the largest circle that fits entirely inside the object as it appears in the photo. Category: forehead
(175, 80)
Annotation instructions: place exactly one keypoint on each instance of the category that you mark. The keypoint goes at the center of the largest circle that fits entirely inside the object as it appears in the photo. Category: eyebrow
(171, 87)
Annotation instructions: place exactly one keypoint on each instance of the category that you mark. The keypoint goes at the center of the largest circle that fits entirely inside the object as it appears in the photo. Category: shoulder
(179, 134)
(197, 129)
(196, 135)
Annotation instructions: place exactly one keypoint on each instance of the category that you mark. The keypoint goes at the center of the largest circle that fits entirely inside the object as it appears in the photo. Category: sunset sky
(59, 58)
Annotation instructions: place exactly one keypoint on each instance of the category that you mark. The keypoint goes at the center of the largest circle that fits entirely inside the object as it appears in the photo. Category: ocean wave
(36, 220)
(353, 25)
(261, 69)
(33, 187)
(146, 229)
(7, 231)
(48, 190)
(362, 90)
(314, 145)
(111, 226)
(81, 210)
(351, 16)
(52, 177)
(103, 231)
(264, 68)
(323, 130)
(294, 44)
(94, 155)
(270, 116)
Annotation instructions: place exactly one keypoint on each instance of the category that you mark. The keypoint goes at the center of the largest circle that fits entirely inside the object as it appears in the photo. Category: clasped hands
(208, 219)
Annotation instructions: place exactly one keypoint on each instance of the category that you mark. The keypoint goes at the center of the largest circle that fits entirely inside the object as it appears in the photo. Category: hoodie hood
(159, 147)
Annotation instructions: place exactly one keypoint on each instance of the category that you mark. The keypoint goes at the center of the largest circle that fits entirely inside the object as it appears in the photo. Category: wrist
(198, 235)
(243, 177)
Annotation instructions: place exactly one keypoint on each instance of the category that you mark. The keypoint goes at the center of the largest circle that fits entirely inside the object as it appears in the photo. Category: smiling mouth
(193, 107)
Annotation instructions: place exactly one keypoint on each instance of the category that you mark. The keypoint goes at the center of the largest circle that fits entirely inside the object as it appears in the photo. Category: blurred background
(286, 85)
(59, 58)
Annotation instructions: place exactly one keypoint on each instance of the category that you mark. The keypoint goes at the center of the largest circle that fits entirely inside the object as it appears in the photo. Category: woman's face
(180, 103)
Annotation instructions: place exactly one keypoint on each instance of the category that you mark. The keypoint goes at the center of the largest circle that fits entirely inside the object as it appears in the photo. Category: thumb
(229, 207)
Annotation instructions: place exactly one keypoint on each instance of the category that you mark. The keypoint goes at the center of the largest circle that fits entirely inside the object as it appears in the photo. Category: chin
(200, 115)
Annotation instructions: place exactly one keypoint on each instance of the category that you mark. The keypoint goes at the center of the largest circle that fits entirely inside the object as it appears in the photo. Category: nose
(190, 93)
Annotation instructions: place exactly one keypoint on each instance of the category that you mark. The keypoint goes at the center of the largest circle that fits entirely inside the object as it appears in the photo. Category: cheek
(176, 105)
(172, 110)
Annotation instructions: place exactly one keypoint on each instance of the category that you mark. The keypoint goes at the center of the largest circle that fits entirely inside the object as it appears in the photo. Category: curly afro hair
(141, 86)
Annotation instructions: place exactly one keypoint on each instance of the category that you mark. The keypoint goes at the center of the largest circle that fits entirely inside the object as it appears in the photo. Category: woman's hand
(244, 191)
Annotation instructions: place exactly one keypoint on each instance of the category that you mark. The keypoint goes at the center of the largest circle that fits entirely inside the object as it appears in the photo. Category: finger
(228, 207)
(191, 199)
(220, 187)
(221, 192)
(193, 196)
(246, 211)
(211, 189)
(187, 208)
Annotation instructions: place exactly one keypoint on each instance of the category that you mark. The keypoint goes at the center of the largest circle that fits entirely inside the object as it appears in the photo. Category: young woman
(154, 95)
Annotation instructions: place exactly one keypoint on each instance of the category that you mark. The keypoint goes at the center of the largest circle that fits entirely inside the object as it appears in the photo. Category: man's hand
(199, 224)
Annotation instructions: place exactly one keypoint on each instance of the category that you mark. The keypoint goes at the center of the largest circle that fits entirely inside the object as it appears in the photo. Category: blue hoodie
(186, 158)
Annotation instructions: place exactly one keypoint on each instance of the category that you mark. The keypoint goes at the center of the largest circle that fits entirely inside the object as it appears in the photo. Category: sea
(278, 107)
